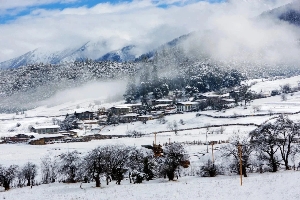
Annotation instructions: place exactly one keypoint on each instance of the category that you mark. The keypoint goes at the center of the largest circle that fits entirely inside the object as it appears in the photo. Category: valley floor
(281, 185)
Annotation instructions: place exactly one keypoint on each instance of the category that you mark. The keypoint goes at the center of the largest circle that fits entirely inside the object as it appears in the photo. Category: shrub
(208, 170)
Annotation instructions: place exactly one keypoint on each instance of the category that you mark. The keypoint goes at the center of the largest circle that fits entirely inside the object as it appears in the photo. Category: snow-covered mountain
(289, 13)
(121, 55)
(40, 56)
(165, 48)
(89, 50)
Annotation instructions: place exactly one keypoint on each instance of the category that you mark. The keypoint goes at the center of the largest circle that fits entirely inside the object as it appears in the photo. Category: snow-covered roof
(228, 100)
(200, 100)
(163, 100)
(211, 95)
(121, 106)
(131, 115)
(145, 116)
(188, 103)
(225, 95)
(44, 127)
(90, 121)
(131, 105)
(162, 105)
(39, 136)
(82, 110)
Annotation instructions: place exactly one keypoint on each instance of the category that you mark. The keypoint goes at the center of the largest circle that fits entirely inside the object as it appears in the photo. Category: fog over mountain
(229, 31)
(254, 37)
(140, 23)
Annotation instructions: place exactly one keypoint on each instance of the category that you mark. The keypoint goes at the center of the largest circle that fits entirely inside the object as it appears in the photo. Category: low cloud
(245, 40)
(143, 23)
(104, 91)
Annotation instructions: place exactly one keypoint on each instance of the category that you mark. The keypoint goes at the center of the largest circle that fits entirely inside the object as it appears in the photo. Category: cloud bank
(241, 40)
(144, 23)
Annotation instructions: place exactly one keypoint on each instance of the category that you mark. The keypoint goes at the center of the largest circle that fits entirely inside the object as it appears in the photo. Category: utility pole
(206, 142)
(212, 153)
(241, 163)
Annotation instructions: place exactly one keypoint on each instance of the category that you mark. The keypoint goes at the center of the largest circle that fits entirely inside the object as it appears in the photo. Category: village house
(102, 119)
(157, 114)
(161, 106)
(227, 101)
(102, 111)
(209, 96)
(50, 129)
(144, 118)
(70, 133)
(162, 102)
(265, 94)
(134, 107)
(130, 117)
(120, 110)
(125, 109)
(47, 138)
(19, 138)
(187, 106)
(86, 115)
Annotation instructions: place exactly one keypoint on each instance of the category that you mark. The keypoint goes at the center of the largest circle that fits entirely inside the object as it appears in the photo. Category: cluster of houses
(124, 113)
(127, 113)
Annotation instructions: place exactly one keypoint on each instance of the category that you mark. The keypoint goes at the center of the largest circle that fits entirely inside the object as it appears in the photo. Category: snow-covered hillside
(277, 186)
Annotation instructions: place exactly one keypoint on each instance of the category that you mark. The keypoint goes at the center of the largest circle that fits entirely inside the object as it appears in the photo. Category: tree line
(110, 162)
(191, 79)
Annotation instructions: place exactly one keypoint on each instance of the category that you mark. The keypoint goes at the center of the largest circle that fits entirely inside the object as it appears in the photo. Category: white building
(187, 106)
(51, 129)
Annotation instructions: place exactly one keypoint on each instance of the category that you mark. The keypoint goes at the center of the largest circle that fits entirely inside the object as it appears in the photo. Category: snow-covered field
(277, 186)
(282, 185)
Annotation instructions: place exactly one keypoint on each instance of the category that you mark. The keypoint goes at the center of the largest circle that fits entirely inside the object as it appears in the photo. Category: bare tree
(116, 161)
(256, 108)
(245, 94)
(69, 166)
(231, 151)
(283, 97)
(279, 135)
(49, 169)
(173, 127)
(134, 133)
(221, 130)
(270, 111)
(287, 130)
(7, 175)
(29, 172)
(174, 156)
(264, 140)
(109, 161)
(94, 165)
(138, 164)
(162, 120)
(286, 88)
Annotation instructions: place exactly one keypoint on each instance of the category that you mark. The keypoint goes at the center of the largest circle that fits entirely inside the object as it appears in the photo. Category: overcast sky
(56, 24)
